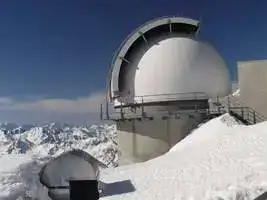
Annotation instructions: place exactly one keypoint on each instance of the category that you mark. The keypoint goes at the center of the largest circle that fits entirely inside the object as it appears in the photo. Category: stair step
(237, 109)
(240, 118)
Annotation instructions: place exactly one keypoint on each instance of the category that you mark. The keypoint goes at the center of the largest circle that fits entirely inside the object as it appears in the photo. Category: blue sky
(55, 54)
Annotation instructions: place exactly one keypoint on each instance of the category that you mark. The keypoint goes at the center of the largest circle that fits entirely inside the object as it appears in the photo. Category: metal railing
(128, 107)
(171, 97)
(246, 115)
(137, 100)
(136, 107)
(236, 107)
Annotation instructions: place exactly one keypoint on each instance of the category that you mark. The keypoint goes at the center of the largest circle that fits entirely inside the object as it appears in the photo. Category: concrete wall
(143, 140)
(252, 76)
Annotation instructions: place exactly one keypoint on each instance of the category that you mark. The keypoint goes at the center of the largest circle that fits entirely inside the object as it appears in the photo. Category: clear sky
(55, 54)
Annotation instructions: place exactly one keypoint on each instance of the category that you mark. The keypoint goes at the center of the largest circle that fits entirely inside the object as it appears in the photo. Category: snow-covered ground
(23, 151)
(19, 178)
(221, 160)
(236, 93)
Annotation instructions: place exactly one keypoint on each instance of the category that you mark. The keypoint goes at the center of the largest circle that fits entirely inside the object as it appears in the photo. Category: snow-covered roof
(74, 164)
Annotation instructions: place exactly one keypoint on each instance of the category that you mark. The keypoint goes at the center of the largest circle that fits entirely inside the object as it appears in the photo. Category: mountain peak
(55, 138)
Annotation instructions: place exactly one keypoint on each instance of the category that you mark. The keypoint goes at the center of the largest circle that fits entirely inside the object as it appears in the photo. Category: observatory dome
(155, 61)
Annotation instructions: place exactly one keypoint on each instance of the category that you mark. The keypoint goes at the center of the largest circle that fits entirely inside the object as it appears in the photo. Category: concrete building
(161, 78)
(252, 78)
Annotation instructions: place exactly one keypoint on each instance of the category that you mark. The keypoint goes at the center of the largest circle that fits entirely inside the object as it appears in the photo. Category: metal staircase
(237, 109)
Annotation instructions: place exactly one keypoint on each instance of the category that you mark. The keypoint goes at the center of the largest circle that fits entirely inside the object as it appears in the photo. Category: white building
(160, 81)
(252, 81)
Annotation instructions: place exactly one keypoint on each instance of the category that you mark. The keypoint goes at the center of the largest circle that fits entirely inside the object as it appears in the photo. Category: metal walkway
(215, 107)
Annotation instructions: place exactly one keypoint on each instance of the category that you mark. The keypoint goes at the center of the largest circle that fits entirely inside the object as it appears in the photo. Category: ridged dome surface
(177, 66)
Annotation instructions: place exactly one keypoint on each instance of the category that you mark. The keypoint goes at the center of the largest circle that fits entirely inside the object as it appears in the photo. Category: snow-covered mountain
(221, 159)
(54, 139)
(25, 149)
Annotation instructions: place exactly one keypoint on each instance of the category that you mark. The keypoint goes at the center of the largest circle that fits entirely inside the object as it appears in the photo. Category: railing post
(254, 117)
(218, 105)
(107, 111)
(122, 117)
(101, 111)
(228, 103)
(242, 112)
(142, 106)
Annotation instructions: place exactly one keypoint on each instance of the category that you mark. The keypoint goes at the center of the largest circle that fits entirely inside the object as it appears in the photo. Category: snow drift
(220, 160)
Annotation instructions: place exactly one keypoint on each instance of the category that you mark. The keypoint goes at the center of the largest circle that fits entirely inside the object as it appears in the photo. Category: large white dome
(176, 65)
(180, 65)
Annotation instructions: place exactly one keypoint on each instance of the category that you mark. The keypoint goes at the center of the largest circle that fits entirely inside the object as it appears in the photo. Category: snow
(54, 139)
(236, 93)
(10, 182)
(208, 132)
(222, 160)
(24, 152)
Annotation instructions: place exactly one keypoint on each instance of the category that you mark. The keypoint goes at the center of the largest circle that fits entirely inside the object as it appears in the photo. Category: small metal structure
(72, 176)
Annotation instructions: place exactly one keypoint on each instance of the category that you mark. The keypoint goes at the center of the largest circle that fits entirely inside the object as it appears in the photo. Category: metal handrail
(195, 94)
(163, 97)
(242, 104)
(232, 104)
(250, 113)
(151, 113)
(135, 105)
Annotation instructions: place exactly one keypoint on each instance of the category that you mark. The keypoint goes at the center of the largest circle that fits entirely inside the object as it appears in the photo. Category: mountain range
(54, 138)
